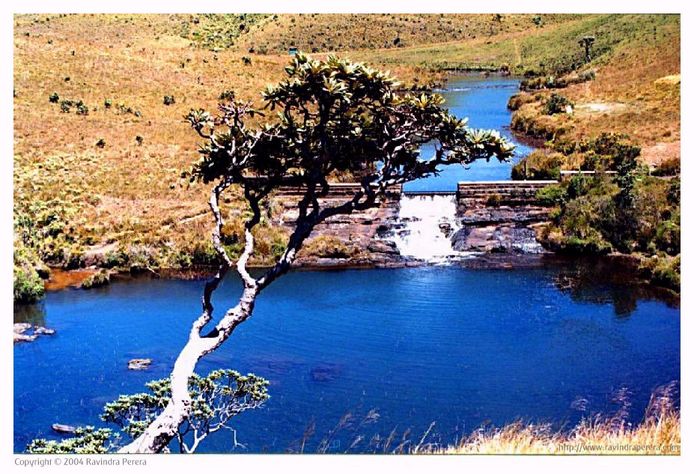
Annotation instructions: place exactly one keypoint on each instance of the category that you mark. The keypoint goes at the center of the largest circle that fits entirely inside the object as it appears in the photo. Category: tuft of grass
(658, 434)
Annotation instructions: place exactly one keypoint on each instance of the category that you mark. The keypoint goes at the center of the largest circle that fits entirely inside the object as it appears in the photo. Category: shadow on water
(34, 314)
(602, 281)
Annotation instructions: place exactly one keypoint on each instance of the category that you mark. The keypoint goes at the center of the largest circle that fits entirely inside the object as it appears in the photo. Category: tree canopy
(326, 118)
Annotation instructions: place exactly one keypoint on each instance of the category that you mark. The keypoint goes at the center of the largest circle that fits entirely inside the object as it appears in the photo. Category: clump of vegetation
(216, 399)
(540, 164)
(53, 98)
(27, 281)
(100, 143)
(329, 246)
(98, 279)
(557, 104)
(228, 94)
(670, 167)
(67, 105)
(86, 440)
(629, 212)
(168, 99)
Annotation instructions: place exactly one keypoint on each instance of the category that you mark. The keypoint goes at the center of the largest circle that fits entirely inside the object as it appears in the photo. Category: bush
(328, 246)
(101, 278)
(557, 104)
(670, 167)
(538, 165)
(553, 195)
(28, 285)
(663, 271)
(168, 99)
(53, 98)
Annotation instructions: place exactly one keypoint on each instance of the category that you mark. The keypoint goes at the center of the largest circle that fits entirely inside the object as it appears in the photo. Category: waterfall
(426, 224)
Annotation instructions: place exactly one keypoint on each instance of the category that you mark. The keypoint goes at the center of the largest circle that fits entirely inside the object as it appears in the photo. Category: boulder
(41, 330)
(63, 429)
(139, 364)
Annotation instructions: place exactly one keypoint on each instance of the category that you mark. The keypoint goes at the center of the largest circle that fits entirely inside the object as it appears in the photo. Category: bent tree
(333, 118)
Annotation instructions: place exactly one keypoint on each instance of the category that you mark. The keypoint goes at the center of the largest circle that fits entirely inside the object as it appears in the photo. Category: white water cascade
(426, 225)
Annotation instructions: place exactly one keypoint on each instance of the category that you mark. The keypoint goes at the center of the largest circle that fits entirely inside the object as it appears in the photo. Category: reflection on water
(34, 314)
(599, 281)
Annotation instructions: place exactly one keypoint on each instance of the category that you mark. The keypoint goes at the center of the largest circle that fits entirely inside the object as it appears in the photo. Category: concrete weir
(430, 226)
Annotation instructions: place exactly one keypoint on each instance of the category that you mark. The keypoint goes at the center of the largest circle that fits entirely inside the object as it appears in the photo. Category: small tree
(216, 399)
(333, 117)
(587, 43)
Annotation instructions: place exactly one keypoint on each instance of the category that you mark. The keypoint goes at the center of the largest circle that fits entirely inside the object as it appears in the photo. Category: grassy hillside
(100, 140)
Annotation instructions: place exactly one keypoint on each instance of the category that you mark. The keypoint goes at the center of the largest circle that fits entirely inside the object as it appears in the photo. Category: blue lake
(454, 346)
(483, 102)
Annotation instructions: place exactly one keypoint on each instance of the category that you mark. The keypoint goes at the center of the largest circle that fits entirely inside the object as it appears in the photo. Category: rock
(325, 372)
(64, 429)
(445, 228)
(41, 330)
(24, 337)
(383, 246)
(507, 238)
(139, 364)
(20, 328)
(18, 333)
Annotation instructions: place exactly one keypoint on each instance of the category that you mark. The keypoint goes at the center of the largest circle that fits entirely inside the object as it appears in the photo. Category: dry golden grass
(659, 433)
(131, 193)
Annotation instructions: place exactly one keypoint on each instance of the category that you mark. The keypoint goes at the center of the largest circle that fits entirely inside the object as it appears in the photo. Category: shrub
(108, 103)
(328, 246)
(101, 278)
(670, 167)
(228, 94)
(538, 165)
(100, 143)
(28, 285)
(494, 200)
(557, 104)
(663, 270)
(81, 108)
(168, 99)
(553, 195)
(53, 98)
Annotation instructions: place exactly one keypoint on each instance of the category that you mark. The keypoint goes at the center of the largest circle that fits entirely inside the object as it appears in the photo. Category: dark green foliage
(553, 195)
(557, 104)
(335, 118)
(587, 43)
(27, 282)
(81, 108)
(216, 398)
(228, 95)
(53, 98)
(87, 440)
(630, 212)
(168, 99)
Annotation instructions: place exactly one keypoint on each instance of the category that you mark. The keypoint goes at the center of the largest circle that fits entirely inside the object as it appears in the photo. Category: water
(483, 101)
(448, 345)
(426, 224)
